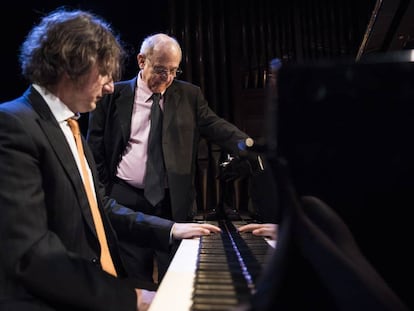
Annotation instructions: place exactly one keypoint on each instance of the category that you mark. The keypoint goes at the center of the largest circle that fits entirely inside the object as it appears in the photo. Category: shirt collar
(60, 111)
(143, 88)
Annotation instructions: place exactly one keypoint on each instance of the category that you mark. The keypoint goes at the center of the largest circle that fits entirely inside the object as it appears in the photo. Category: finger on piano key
(190, 230)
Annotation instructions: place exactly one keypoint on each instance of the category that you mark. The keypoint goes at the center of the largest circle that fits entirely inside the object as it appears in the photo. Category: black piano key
(213, 307)
(217, 266)
(219, 274)
(221, 301)
(229, 301)
(234, 278)
(215, 286)
(213, 292)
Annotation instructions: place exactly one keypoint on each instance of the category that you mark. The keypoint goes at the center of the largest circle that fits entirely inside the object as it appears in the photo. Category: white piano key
(175, 291)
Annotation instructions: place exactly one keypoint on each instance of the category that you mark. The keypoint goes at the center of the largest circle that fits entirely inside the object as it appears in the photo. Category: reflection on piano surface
(215, 272)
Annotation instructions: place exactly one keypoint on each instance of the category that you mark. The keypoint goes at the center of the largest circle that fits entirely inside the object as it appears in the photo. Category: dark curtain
(227, 47)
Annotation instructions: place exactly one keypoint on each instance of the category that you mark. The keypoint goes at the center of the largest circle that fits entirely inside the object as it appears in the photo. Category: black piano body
(346, 130)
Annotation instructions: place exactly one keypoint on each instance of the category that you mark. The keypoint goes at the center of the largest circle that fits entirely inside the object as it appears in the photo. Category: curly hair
(70, 42)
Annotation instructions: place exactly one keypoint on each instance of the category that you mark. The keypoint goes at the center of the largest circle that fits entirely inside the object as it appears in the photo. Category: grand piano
(346, 129)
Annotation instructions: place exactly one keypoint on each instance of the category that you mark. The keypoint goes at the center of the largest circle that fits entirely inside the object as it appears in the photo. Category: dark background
(226, 47)
(132, 24)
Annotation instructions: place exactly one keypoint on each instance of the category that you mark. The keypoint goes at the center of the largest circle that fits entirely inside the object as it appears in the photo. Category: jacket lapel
(124, 108)
(58, 142)
(171, 101)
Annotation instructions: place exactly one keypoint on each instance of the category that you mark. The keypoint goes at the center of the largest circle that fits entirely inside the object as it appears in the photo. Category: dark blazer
(49, 248)
(187, 117)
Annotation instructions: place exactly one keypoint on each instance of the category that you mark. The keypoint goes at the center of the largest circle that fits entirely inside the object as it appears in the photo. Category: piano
(355, 126)
(216, 272)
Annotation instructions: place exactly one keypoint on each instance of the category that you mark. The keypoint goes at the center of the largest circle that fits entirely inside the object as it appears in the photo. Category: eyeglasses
(159, 70)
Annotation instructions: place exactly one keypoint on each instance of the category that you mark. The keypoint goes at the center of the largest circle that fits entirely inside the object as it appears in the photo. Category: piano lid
(390, 28)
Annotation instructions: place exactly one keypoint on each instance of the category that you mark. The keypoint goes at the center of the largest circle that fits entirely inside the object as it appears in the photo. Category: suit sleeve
(139, 228)
(215, 129)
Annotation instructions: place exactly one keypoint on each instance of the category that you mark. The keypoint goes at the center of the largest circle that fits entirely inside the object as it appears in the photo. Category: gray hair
(150, 43)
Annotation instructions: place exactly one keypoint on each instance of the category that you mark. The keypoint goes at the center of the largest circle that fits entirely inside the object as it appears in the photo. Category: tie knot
(156, 97)
(74, 126)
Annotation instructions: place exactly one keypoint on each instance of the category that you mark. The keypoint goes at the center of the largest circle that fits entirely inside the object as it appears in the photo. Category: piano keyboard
(215, 272)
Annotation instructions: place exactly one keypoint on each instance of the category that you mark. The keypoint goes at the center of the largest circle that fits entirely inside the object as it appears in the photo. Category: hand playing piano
(190, 230)
(267, 230)
(144, 299)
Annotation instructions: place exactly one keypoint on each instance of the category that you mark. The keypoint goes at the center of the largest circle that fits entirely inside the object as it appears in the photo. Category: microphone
(250, 145)
(244, 144)
(249, 149)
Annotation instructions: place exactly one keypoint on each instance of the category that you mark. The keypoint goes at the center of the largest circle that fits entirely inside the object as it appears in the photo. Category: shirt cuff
(171, 234)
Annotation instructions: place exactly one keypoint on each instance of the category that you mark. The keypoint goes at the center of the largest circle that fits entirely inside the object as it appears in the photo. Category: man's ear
(141, 61)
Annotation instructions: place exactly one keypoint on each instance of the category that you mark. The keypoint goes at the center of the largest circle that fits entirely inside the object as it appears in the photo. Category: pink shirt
(132, 166)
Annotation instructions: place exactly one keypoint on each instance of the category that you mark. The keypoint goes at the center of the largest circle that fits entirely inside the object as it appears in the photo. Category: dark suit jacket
(49, 248)
(187, 117)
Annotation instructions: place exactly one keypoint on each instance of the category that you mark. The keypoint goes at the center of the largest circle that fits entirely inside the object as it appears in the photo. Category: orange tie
(106, 260)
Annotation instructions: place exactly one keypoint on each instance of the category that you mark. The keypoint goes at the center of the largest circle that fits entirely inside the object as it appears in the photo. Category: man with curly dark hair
(59, 247)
